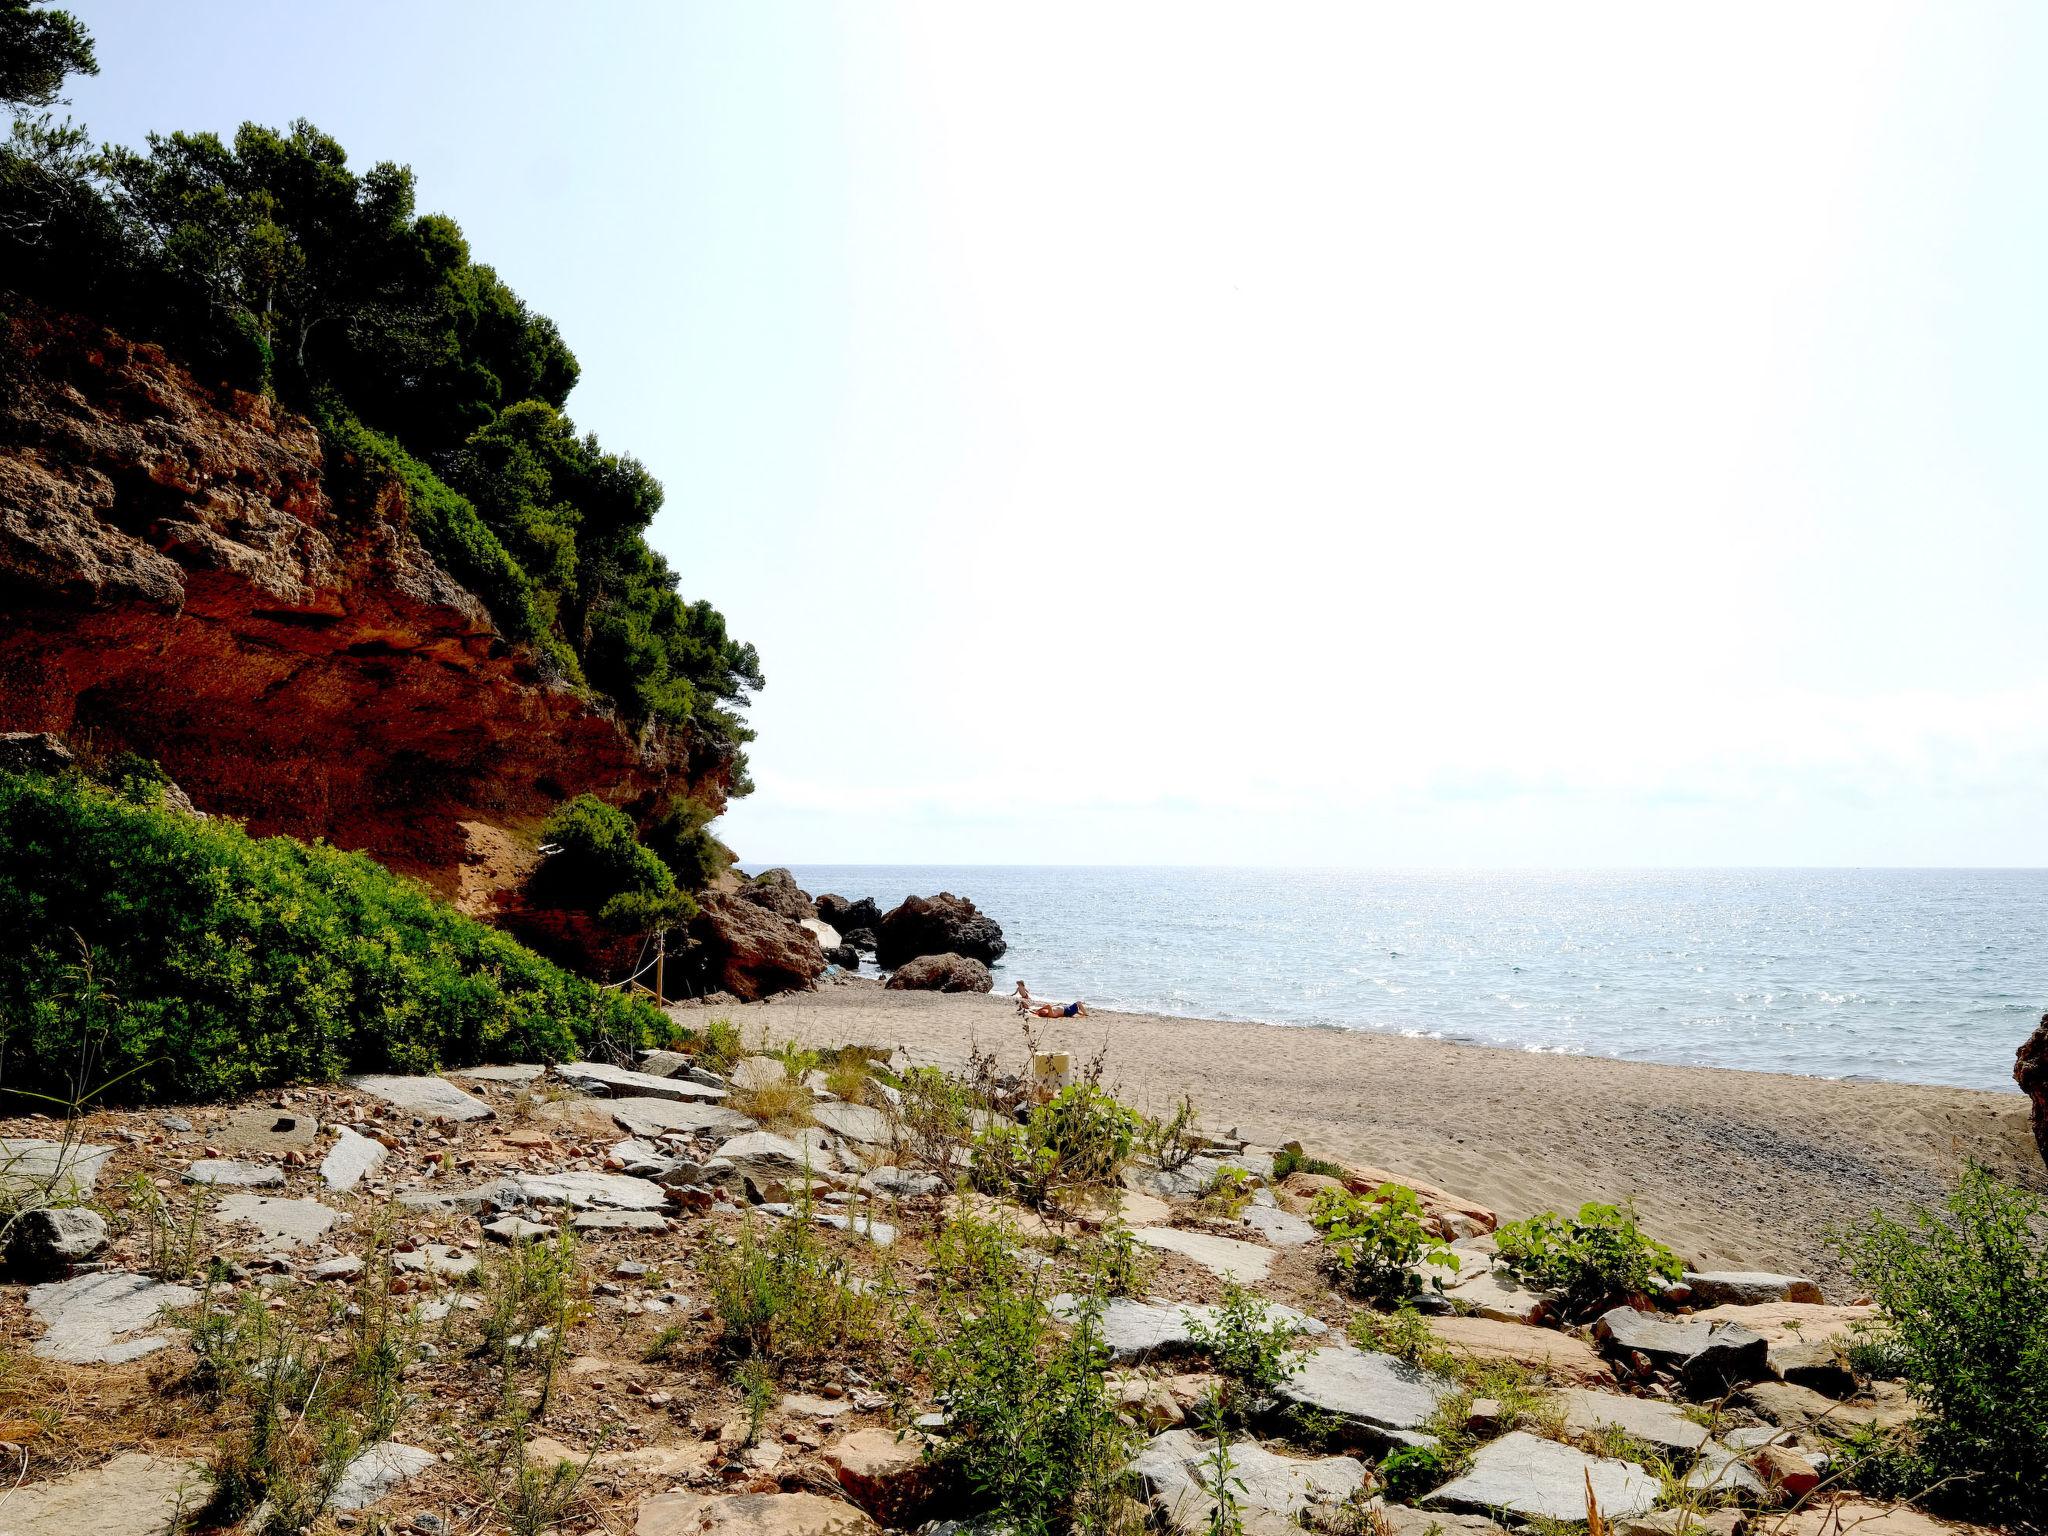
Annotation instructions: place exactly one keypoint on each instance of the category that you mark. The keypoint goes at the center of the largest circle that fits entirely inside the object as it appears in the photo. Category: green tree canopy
(39, 47)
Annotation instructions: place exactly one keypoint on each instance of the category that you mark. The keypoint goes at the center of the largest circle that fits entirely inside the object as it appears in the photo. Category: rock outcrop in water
(944, 924)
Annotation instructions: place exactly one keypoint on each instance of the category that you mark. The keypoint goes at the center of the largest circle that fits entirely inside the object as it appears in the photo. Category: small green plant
(1402, 1333)
(717, 1045)
(1408, 1473)
(532, 1293)
(1593, 1261)
(1119, 1264)
(1219, 1474)
(1080, 1139)
(847, 1077)
(786, 1296)
(1253, 1350)
(798, 1061)
(667, 1345)
(1032, 1435)
(756, 1386)
(175, 1243)
(531, 1495)
(1291, 1159)
(1377, 1242)
(934, 1121)
(1173, 1142)
(1963, 1293)
(1227, 1193)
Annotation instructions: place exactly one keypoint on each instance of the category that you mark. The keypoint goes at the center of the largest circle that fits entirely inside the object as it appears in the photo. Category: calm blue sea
(1924, 976)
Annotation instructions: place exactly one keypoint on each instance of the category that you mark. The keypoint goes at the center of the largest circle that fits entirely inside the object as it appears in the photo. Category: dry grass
(782, 1106)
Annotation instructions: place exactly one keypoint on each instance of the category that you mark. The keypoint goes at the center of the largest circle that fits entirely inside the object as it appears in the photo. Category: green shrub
(934, 1121)
(598, 865)
(1227, 1193)
(717, 1045)
(221, 964)
(1963, 1293)
(1082, 1138)
(1408, 1473)
(1377, 1241)
(1402, 1333)
(786, 1297)
(1253, 1350)
(1595, 1260)
(1031, 1434)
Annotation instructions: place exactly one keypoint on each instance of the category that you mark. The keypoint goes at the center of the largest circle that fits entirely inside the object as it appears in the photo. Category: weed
(847, 1078)
(1402, 1333)
(787, 1297)
(1082, 1138)
(1032, 1434)
(1227, 1193)
(666, 1345)
(1594, 1260)
(934, 1121)
(1291, 1159)
(717, 1046)
(1219, 1474)
(782, 1105)
(175, 1243)
(756, 1385)
(531, 1495)
(1375, 1243)
(532, 1294)
(1173, 1143)
(1254, 1351)
(1411, 1471)
(1119, 1264)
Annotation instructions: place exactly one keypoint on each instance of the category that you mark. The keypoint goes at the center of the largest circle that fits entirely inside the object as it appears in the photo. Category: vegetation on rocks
(1963, 1292)
(1593, 1260)
(1376, 1242)
(158, 956)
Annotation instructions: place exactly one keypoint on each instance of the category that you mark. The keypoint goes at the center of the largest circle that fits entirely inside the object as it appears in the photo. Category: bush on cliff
(599, 866)
(1963, 1293)
(174, 958)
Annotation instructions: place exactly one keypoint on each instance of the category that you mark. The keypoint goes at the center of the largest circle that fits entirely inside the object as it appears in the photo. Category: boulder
(52, 1239)
(860, 938)
(580, 1191)
(884, 1473)
(1274, 1495)
(750, 1514)
(42, 752)
(765, 1167)
(848, 915)
(1525, 1474)
(778, 892)
(1707, 1357)
(754, 951)
(944, 924)
(856, 1122)
(942, 973)
(2030, 1071)
(1800, 1408)
(640, 1115)
(845, 956)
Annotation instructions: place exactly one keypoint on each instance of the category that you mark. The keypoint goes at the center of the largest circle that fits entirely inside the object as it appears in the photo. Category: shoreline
(1733, 1168)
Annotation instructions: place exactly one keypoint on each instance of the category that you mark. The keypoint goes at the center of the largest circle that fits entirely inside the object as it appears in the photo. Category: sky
(1580, 435)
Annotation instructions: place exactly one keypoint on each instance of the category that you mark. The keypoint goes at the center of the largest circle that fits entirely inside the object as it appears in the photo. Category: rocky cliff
(185, 577)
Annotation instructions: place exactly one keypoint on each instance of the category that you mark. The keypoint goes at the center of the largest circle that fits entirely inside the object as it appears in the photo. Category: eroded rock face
(750, 951)
(183, 575)
(2030, 1071)
(777, 890)
(944, 924)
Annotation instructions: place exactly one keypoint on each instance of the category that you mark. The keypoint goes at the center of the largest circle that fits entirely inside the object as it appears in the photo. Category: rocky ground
(418, 1217)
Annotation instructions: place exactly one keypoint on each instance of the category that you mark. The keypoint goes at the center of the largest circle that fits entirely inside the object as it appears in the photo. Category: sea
(1919, 976)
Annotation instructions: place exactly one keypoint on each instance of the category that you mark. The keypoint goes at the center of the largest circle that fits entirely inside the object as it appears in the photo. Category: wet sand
(1733, 1169)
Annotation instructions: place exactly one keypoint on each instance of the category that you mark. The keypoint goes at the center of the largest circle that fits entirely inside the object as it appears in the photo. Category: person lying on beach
(1075, 1010)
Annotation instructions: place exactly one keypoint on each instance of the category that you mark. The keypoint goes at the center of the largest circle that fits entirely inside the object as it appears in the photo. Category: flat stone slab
(1132, 1330)
(94, 1319)
(638, 1115)
(1796, 1407)
(749, 1514)
(1705, 1354)
(622, 1082)
(607, 1223)
(351, 1159)
(431, 1098)
(880, 1233)
(232, 1173)
(1272, 1492)
(901, 1183)
(1528, 1475)
(514, 1073)
(1494, 1293)
(62, 1170)
(435, 1259)
(1653, 1422)
(1791, 1322)
(581, 1191)
(1283, 1229)
(856, 1122)
(135, 1494)
(377, 1472)
(1749, 1287)
(285, 1223)
(1224, 1257)
(259, 1128)
(1366, 1388)
(1563, 1357)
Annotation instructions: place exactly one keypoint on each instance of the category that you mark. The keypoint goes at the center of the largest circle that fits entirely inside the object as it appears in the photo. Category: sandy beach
(1733, 1169)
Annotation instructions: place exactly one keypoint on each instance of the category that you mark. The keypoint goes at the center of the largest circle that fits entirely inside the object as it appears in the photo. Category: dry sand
(1733, 1169)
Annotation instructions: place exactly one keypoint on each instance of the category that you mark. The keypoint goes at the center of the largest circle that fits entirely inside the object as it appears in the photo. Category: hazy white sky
(1180, 433)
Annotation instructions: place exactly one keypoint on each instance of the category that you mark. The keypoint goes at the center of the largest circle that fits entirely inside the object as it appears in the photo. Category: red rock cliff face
(176, 580)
